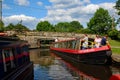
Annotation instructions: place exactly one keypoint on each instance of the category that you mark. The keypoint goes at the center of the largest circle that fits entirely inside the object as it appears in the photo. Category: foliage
(118, 36)
(113, 34)
(76, 25)
(10, 27)
(117, 7)
(44, 26)
(63, 27)
(68, 27)
(101, 22)
(87, 31)
(1, 26)
(18, 27)
(59, 27)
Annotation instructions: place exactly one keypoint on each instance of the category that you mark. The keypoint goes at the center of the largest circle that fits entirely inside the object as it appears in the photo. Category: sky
(30, 12)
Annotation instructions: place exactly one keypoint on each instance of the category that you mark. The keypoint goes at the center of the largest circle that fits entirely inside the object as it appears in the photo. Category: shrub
(113, 34)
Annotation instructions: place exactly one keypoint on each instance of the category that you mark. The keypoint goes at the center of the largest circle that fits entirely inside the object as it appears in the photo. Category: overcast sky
(33, 11)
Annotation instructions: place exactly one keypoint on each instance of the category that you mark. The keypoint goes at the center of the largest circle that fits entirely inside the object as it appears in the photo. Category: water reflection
(41, 57)
(48, 66)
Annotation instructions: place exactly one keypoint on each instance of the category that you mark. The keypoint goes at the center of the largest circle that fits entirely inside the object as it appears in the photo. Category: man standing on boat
(56, 40)
(104, 41)
(85, 42)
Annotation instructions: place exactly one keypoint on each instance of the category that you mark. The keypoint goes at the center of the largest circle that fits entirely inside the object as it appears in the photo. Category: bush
(119, 36)
(113, 34)
(86, 31)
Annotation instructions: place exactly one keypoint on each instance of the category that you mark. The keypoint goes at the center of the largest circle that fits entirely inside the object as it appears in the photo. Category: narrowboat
(88, 71)
(15, 63)
(71, 49)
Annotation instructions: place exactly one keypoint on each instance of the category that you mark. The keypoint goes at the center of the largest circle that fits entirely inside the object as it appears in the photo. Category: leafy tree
(101, 22)
(113, 34)
(76, 25)
(1, 26)
(10, 27)
(44, 26)
(63, 27)
(117, 7)
(87, 31)
(119, 36)
(19, 27)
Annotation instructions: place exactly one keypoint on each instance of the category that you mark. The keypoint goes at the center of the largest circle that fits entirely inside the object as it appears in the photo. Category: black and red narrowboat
(71, 49)
(15, 63)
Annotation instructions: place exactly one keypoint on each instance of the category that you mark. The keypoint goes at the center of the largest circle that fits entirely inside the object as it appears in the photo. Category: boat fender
(109, 53)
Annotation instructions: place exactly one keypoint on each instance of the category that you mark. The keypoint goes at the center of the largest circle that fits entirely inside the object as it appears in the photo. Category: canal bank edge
(116, 57)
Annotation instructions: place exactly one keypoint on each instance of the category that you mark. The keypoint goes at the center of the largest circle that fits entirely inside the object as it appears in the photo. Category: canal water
(48, 66)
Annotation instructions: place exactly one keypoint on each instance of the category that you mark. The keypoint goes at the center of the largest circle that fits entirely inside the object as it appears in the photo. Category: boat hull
(99, 57)
(24, 72)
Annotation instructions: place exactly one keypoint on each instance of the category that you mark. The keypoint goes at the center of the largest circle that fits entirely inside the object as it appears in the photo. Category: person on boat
(56, 39)
(85, 42)
(104, 41)
(97, 41)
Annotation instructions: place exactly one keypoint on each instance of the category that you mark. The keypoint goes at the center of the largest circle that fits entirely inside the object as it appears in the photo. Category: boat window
(18, 50)
(0, 54)
(7, 61)
(20, 56)
(25, 48)
(12, 58)
(14, 51)
(1, 65)
(24, 51)
(16, 55)
(6, 52)
(73, 44)
(67, 44)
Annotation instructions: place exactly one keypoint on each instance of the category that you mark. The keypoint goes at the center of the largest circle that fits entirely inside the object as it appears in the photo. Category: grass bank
(115, 45)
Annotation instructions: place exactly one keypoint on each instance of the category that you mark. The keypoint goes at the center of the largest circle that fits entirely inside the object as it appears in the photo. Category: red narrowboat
(71, 49)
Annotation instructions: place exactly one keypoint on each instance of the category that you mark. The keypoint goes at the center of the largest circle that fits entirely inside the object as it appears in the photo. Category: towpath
(116, 57)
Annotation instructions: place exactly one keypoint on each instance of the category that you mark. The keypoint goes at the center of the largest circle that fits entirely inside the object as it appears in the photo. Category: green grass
(115, 45)
(116, 50)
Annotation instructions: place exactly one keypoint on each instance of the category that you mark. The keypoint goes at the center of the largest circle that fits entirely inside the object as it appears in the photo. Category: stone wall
(32, 37)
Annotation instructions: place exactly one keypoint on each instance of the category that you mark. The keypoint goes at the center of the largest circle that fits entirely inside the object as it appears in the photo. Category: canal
(48, 66)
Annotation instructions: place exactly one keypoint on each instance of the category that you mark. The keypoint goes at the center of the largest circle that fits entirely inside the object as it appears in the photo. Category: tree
(44, 26)
(85, 31)
(119, 36)
(117, 7)
(101, 22)
(1, 26)
(63, 27)
(76, 25)
(19, 27)
(113, 34)
(10, 27)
